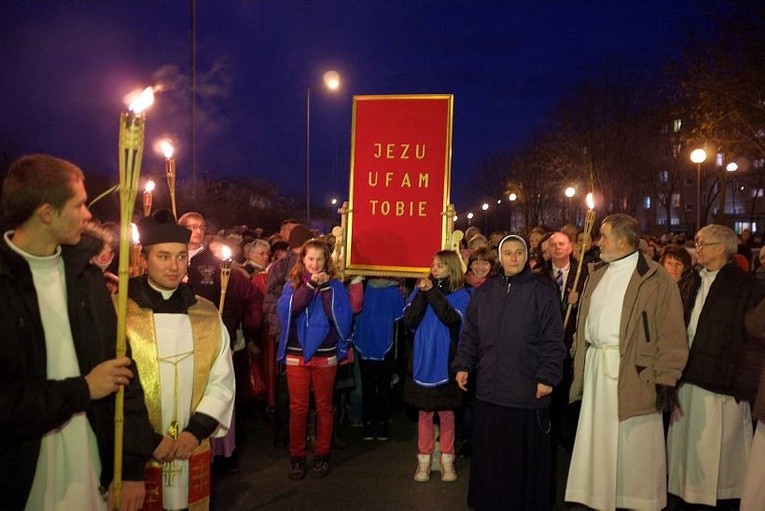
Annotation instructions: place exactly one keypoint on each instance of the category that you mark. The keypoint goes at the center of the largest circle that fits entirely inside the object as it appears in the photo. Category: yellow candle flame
(590, 201)
(136, 237)
(225, 252)
(149, 186)
(141, 101)
(167, 148)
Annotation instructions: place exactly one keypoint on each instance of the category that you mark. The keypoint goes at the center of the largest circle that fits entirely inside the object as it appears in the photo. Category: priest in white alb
(630, 350)
(182, 352)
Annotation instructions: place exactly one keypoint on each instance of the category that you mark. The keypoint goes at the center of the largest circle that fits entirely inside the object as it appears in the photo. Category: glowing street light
(698, 156)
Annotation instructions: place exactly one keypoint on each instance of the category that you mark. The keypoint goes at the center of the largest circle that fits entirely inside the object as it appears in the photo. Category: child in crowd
(316, 316)
(434, 312)
(373, 339)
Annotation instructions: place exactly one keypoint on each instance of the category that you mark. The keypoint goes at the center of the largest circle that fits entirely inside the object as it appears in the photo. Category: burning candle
(225, 273)
(148, 196)
(168, 150)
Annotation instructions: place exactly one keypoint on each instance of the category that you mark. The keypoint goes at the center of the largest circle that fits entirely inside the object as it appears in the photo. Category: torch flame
(167, 148)
(225, 252)
(142, 101)
(136, 237)
(590, 201)
(149, 186)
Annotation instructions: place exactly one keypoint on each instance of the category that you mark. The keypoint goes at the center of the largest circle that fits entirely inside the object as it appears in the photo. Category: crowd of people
(641, 356)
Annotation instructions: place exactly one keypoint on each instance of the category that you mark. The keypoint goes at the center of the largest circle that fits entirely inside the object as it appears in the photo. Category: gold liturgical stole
(141, 334)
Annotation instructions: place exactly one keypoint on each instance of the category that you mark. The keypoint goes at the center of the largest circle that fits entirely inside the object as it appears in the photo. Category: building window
(663, 177)
(689, 181)
(675, 200)
(664, 129)
(647, 202)
(689, 206)
(676, 125)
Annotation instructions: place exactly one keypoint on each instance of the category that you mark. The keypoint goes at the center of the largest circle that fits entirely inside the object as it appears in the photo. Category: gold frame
(446, 208)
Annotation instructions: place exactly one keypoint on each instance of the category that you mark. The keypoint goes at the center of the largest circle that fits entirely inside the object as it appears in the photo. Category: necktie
(559, 281)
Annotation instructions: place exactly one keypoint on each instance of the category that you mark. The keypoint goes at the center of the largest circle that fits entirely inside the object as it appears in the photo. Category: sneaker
(382, 431)
(320, 467)
(297, 469)
(369, 432)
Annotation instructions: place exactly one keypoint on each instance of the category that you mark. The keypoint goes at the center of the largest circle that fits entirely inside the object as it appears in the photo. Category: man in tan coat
(629, 351)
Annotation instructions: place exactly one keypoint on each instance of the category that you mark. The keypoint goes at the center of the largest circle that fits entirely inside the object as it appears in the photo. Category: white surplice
(614, 464)
(709, 444)
(175, 350)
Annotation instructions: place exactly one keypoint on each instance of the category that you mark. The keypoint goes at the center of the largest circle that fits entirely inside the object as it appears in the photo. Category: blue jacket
(512, 336)
(312, 323)
(373, 331)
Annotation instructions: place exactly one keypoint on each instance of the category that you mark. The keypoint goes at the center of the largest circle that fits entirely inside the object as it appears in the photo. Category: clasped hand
(180, 449)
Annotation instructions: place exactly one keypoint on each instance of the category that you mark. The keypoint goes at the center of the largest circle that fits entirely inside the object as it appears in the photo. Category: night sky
(66, 66)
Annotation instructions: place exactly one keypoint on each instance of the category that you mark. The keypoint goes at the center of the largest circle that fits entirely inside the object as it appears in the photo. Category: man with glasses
(711, 430)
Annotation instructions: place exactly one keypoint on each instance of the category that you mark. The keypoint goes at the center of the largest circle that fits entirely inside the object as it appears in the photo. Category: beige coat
(653, 342)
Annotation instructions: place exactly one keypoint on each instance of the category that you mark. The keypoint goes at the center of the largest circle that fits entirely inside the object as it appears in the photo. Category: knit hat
(299, 235)
(161, 227)
(512, 237)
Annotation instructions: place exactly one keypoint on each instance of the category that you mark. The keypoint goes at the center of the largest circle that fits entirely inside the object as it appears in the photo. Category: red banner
(399, 187)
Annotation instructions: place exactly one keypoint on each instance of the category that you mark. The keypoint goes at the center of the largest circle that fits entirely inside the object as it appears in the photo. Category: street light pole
(332, 82)
(308, 156)
(698, 156)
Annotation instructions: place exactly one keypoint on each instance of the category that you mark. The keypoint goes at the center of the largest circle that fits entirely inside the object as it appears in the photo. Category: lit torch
(589, 222)
(225, 273)
(167, 149)
(148, 196)
(132, 124)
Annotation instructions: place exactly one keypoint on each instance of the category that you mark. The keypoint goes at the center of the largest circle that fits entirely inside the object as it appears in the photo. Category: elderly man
(711, 434)
(561, 269)
(629, 352)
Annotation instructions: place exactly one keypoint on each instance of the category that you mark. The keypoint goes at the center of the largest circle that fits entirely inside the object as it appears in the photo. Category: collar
(148, 297)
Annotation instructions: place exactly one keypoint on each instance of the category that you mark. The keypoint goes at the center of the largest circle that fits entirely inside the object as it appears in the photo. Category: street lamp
(485, 208)
(470, 218)
(512, 198)
(331, 82)
(698, 156)
(570, 192)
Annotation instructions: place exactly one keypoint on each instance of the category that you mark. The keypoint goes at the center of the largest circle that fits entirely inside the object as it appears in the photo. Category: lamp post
(485, 208)
(331, 82)
(470, 218)
(570, 192)
(698, 156)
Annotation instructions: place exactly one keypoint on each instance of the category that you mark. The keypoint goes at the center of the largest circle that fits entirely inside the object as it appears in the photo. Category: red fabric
(267, 344)
(425, 439)
(300, 380)
(199, 481)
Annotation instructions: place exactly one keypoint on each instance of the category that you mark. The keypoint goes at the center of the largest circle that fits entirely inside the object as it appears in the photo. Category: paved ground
(365, 475)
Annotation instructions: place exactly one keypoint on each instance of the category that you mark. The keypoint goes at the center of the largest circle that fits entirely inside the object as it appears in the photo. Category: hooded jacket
(321, 317)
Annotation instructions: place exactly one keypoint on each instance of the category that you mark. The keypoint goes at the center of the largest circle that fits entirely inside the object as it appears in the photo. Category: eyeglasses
(701, 244)
(194, 227)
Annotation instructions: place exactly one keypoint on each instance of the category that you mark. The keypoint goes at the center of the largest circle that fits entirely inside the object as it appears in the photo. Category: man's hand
(169, 450)
(184, 446)
(543, 390)
(162, 450)
(106, 377)
(573, 297)
(462, 379)
(131, 498)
